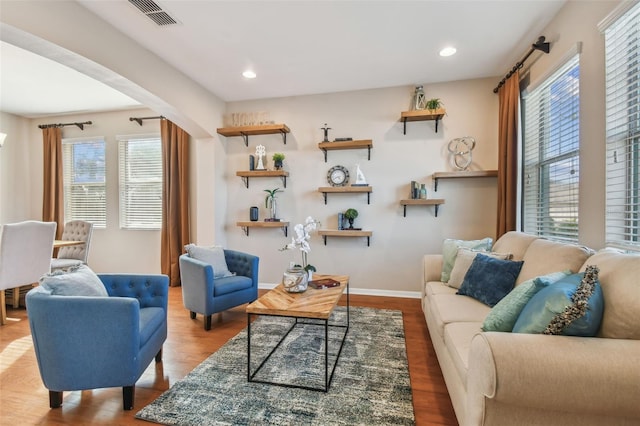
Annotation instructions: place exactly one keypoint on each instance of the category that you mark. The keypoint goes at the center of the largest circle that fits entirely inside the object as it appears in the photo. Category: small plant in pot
(278, 158)
(433, 104)
(350, 215)
(270, 203)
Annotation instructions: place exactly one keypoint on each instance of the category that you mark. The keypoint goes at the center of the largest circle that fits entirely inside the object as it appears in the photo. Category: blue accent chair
(203, 295)
(99, 342)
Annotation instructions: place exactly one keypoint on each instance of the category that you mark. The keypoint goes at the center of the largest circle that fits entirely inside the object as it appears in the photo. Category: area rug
(370, 384)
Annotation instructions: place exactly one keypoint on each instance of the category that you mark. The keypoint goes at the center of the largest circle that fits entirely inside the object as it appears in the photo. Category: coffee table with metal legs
(312, 305)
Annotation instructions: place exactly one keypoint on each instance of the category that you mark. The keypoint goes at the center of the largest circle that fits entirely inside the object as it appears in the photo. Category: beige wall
(392, 262)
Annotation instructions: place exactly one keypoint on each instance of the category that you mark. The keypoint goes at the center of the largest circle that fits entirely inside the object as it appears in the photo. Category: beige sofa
(511, 379)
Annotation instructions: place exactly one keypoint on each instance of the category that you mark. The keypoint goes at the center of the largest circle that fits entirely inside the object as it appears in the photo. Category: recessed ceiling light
(448, 51)
(249, 74)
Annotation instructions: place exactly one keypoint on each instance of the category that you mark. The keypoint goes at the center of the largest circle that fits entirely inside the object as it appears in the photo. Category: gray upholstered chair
(75, 230)
(25, 255)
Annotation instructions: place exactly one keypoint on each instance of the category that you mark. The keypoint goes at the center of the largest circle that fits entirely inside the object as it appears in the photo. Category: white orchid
(301, 240)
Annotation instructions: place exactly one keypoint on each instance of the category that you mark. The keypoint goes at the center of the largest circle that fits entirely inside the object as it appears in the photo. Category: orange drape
(175, 198)
(52, 194)
(509, 97)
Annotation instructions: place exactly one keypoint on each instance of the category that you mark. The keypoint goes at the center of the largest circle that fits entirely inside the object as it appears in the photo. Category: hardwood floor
(25, 401)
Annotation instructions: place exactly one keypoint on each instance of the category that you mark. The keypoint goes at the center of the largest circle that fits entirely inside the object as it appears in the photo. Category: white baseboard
(363, 291)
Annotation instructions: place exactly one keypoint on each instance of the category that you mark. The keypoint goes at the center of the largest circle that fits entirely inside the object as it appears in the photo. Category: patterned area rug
(370, 385)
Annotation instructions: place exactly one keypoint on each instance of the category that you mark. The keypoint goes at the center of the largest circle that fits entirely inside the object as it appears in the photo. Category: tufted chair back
(75, 230)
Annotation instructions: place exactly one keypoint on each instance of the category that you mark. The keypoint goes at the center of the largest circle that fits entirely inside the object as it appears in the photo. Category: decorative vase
(277, 164)
(350, 223)
(253, 214)
(273, 207)
(295, 280)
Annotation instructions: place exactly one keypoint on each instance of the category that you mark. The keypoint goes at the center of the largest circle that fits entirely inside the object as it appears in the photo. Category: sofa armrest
(594, 376)
(151, 290)
(431, 267)
(197, 283)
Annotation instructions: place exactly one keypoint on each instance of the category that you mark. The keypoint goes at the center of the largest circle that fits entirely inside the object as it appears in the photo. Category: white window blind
(622, 65)
(140, 178)
(551, 139)
(84, 183)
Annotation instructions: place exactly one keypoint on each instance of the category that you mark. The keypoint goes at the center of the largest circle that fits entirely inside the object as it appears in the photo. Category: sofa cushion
(515, 243)
(76, 281)
(504, 314)
(489, 280)
(450, 308)
(436, 287)
(561, 299)
(621, 289)
(450, 251)
(151, 319)
(463, 262)
(544, 257)
(457, 340)
(232, 284)
(213, 256)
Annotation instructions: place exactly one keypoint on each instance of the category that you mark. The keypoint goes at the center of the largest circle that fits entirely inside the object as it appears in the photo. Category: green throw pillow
(450, 251)
(503, 316)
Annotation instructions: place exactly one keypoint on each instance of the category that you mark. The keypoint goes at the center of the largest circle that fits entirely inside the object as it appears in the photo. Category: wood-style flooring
(25, 401)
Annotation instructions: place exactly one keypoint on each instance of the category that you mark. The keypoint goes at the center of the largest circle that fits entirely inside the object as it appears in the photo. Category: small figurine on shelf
(261, 153)
(326, 132)
(360, 180)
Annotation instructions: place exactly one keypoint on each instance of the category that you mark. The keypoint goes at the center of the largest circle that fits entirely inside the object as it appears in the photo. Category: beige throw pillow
(464, 259)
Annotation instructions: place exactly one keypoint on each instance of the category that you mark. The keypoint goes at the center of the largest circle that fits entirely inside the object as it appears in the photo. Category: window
(551, 143)
(622, 67)
(140, 166)
(84, 180)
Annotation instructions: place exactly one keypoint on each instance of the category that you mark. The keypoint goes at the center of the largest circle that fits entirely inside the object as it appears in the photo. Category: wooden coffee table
(313, 304)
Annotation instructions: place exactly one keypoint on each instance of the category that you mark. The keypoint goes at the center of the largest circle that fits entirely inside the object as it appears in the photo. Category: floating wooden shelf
(359, 144)
(346, 189)
(344, 233)
(246, 131)
(422, 115)
(262, 224)
(462, 175)
(421, 202)
(246, 174)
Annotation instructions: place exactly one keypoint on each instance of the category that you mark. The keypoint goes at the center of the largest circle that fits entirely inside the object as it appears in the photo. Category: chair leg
(159, 356)
(3, 309)
(192, 315)
(16, 297)
(55, 399)
(207, 322)
(128, 395)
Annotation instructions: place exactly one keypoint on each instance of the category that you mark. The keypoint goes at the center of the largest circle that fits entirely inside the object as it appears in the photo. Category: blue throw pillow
(489, 280)
(560, 308)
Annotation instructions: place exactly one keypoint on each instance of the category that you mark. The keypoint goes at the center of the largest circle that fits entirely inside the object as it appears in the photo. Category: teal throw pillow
(450, 251)
(489, 279)
(505, 313)
(573, 306)
(75, 281)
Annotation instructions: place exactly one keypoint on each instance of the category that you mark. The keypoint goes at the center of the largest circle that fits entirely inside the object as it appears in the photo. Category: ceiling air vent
(154, 12)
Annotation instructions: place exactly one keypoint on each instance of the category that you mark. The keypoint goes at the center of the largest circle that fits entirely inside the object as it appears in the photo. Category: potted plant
(270, 203)
(433, 104)
(350, 215)
(278, 158)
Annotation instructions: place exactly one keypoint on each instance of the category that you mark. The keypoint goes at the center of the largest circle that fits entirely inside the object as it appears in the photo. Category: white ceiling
(296, 47)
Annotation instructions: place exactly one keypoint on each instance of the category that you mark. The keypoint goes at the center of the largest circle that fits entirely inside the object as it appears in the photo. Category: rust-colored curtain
(52, 194)
(509, 96)
(175, 198)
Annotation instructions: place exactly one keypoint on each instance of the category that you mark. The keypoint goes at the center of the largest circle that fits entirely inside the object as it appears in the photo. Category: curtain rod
(80, 125)
(538, 45)
(139, 119)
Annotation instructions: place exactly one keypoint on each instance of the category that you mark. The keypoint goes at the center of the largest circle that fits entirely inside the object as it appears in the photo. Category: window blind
(550, 170)
(622, 68)
(84, 183)
(140, 183)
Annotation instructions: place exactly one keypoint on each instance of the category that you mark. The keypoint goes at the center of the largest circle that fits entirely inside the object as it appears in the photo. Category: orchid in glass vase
(301, 242)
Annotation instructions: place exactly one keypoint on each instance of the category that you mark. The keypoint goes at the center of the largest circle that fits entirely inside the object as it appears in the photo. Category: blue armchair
(203, 294)
(88, 342)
